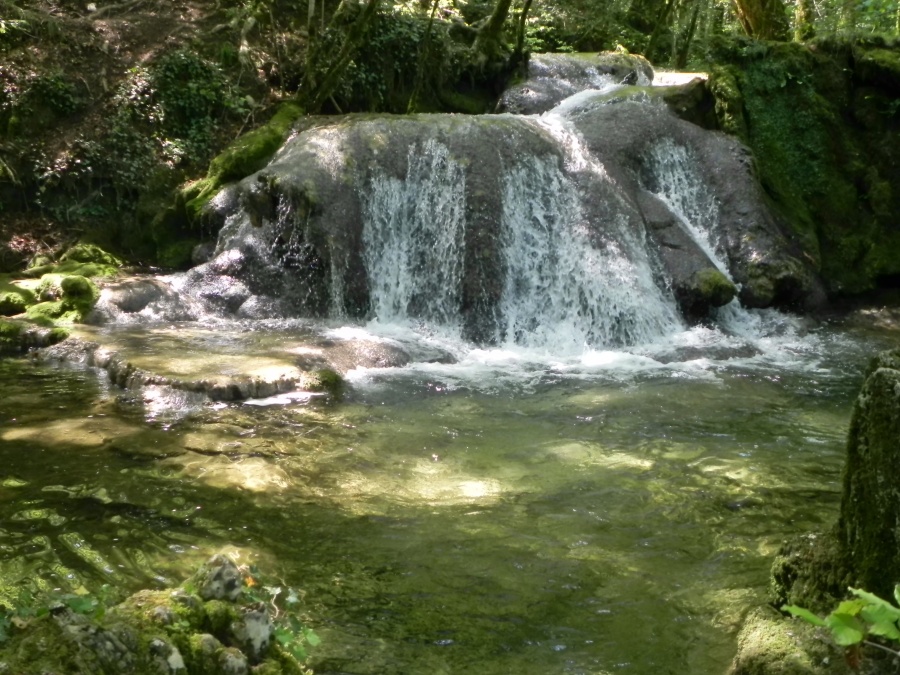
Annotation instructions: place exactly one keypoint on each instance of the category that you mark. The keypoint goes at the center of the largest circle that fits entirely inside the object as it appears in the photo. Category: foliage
(30, 606)
(854, 621)
(284, 604)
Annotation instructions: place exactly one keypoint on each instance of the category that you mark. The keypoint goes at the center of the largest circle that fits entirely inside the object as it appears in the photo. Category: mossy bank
(823, 121)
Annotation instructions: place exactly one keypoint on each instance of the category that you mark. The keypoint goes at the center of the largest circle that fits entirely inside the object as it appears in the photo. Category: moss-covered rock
(64, 299)
(86, 260)
(822, 122)
(714, 287)
(155, 632)
(769, 644)
(14, 299)
(862, 550)
(870, 504)
(325, 380)
(18, 336)
(10, 335)
(244, 156)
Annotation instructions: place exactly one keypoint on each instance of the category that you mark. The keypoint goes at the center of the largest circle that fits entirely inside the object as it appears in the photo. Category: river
(513, 512)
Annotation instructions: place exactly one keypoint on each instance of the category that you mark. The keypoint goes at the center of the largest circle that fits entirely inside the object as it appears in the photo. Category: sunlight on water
(511, 512)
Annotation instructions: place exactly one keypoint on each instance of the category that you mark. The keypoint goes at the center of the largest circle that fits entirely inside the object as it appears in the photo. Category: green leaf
(897, 594)
(845, 629)
(874, 601)
(283, 635)
(850, 607)
(80, 605)
(311, 637)
(882, 620)
(804, 614)
(297, 651)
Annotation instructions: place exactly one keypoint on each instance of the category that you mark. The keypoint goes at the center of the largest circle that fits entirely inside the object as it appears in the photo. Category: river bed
(513, 512)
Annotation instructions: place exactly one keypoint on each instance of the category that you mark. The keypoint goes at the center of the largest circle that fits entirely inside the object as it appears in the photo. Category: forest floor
(96, 46)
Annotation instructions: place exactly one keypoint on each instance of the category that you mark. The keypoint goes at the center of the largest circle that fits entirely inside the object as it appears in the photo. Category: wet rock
(253, 630)
(696, 283)
(219, 579)
(554, 77)
(139, 297)
(317, 254)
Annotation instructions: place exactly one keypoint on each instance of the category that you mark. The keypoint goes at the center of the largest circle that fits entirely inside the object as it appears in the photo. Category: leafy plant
(30, 606)
(284, 604)
(854, 621)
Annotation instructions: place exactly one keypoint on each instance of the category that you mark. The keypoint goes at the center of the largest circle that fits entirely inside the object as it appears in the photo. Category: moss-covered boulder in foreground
(64, 299)
(867, 530)
(208, 626)
(862, 550)
(14, 298)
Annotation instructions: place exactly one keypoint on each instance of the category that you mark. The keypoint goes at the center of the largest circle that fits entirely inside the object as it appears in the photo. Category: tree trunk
(489, 41)
(643, 13)
(352, 42)
(682, 56)
(661, 22)
(803, 29)
(763, 19)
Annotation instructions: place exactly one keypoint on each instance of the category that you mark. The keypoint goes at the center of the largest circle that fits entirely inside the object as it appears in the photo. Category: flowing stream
(614, 511)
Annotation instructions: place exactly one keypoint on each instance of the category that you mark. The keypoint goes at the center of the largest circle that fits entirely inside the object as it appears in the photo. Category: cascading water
(561, 293)
(413, 236)
(670, 174)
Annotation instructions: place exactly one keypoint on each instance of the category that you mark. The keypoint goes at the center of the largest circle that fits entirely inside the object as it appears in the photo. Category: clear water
(512, 513)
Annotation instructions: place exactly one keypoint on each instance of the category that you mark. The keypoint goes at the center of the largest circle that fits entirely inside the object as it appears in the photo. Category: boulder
(868, 529)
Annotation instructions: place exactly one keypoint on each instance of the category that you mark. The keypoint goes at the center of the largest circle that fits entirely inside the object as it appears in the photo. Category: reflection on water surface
(618, 515)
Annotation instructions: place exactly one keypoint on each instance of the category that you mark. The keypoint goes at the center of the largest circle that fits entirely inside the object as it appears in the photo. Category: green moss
(325, 380)
(830, 173)
(48, 313)
(91, 253)
(177, 255)
(86, 260)
(66, 299)
(729, 101)
(219, 616)
(246, 155)
(10, 335)
(771, 645)
(14, 299)
(57, 334)
(714, 287)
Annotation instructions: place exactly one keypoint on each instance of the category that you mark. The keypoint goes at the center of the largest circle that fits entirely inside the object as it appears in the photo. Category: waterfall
(566, 287)
(413, 236)
(670, 174)
(561, 292)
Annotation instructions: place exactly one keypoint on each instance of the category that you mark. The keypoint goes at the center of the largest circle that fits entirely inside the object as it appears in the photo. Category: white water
(562, 293)
(413, 236)
(676, 183)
